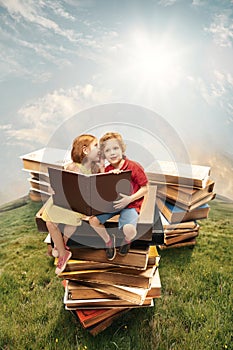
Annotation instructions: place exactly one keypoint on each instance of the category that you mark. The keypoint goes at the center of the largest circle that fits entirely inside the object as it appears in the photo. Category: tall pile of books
(36, 164)
(98, 291)
(183, 194)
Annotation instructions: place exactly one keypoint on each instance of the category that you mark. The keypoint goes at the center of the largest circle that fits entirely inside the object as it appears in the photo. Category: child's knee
(129, 228)
(50, 225)
(93, 221)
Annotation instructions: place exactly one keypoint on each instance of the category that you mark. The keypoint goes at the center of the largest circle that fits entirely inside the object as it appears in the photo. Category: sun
(153, 61)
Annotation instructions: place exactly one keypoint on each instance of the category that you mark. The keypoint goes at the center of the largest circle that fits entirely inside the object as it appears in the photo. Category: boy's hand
(115, 171)
(123, 202)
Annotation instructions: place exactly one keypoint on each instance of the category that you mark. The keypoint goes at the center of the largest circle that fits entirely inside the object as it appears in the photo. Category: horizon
(61, 59)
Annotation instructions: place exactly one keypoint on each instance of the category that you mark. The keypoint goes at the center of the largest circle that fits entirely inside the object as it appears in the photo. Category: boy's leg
(130, 232)
(128, 222)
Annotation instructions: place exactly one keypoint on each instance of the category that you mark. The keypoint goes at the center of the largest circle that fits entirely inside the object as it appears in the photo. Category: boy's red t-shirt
(138, 179)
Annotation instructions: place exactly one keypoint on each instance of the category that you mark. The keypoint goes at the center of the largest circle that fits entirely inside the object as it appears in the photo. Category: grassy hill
(195, 311)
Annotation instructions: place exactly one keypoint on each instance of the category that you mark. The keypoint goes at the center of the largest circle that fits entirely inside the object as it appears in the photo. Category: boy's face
(113, 152)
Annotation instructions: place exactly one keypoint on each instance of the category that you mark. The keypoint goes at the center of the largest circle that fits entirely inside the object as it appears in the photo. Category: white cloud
(40, 118)
(167, 2)
(222, 30)
(33, 12)
(198, 2)
(34, 34)
(216, 92)
(5, 126)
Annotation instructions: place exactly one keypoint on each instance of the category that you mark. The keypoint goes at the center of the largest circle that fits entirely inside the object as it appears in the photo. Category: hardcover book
(178, 173)
(188, 243)
(40, 160)
(183, 195)
(102, 325)
(189, 206)
(105, 301)
(136, 258)
(175, 214)
(40, 186)
(120, 276)
(89, 317)
(179, 238)
(88, 194)
(155, 290)
(84, 292)
(179, 225)
(132, 295)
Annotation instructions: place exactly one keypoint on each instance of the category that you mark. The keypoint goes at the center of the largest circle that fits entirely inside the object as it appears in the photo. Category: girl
(113, 148)
(85, 156)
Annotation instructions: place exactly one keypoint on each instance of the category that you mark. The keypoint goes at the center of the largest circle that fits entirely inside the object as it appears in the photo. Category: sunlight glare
(154, 60)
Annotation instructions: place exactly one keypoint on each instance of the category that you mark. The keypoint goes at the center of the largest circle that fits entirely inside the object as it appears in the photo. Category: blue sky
(58, 58)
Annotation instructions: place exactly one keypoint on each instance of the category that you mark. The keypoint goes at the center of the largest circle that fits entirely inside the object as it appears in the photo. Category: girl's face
(113, 152)
(93, 152)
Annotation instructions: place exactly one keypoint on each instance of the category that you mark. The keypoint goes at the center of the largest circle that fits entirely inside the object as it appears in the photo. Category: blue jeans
(127, 216)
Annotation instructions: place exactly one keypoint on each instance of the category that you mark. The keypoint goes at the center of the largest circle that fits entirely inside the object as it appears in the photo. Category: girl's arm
(126, 200)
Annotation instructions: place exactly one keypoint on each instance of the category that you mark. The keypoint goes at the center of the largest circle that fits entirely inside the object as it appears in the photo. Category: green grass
(195, 311)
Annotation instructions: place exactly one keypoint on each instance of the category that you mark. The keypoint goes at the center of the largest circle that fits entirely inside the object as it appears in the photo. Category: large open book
(88, 194)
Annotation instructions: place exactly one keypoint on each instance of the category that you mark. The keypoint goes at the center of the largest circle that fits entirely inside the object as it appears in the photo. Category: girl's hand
(123, 202)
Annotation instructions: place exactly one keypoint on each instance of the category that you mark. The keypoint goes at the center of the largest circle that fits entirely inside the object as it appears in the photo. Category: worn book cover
(40, 160)
(89, 317)
(88, 194)
(178, 173)
(119, 276)
(175, 214)
(185, 195)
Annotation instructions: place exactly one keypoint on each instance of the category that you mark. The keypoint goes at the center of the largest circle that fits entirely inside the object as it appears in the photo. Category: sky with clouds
(60, 57)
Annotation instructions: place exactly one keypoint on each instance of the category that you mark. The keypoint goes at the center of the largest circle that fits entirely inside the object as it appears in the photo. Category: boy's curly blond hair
(109, 136)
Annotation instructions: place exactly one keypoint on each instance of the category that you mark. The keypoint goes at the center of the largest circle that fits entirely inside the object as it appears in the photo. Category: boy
(113, 148)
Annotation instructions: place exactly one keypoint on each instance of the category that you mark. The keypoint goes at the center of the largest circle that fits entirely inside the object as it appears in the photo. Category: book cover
(79, 291)
(181, 237)
(119, 276)
(89, 317)
(180, 225)
(132, 295)
(175, 214)
(180, 231)
(101, 326)
(155, 290)
(136, 258)
(110, 301)
(39, 185)
(88, 194)
(188, 243)
(184, 195)
(178, 173)
(41, 159)
(189, 207)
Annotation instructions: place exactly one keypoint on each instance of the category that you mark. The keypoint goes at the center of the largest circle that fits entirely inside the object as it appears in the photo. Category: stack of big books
(36, 165)
(98, 291)
(183, 193)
